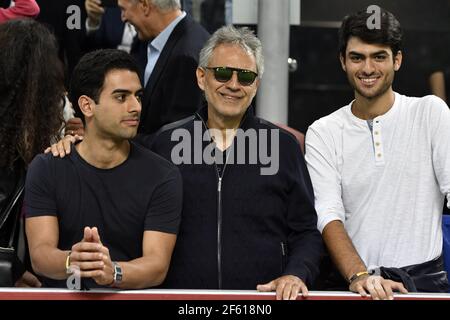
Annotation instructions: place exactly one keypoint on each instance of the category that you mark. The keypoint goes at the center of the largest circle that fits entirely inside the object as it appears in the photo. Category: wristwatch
(117, 273)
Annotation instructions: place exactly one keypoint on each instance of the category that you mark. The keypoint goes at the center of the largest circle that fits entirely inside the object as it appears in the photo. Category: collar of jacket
(247, 120)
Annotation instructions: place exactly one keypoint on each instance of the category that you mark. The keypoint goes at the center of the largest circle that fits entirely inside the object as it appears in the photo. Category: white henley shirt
(387, 185)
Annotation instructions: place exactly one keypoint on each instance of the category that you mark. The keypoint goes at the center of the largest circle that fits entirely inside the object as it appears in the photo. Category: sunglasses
(224, 74)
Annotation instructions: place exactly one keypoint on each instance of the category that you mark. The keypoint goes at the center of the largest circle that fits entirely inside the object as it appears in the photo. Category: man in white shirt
(380, 168)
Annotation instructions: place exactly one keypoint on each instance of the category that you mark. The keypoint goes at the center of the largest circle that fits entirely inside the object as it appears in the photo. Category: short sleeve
(440, 143)
(325, 177)
(164, 213)
(40, 189)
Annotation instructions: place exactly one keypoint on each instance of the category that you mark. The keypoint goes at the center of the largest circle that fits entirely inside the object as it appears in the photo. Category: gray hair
(166, 5)
(243, 37)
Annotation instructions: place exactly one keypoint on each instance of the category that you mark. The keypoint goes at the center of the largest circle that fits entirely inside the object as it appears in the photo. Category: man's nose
(369, 67)
(135, 105)
(233, 83)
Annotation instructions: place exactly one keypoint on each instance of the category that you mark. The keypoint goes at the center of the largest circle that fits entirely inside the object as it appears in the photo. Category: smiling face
(228, 100)
(370, 68)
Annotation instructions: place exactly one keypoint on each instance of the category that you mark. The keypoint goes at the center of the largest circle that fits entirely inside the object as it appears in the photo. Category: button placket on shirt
(378, 143)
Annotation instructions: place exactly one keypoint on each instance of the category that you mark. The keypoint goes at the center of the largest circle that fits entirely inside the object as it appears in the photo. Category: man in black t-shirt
(111, 210)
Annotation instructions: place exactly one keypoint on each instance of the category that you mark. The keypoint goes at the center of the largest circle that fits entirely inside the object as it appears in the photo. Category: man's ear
(201, 74)
(342, 59)
(86, 105)
(398, 60)
(257, 82)
(146, 6)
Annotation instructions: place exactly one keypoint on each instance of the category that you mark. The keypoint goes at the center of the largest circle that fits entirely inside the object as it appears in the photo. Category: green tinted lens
(246, 77)
(223, 74)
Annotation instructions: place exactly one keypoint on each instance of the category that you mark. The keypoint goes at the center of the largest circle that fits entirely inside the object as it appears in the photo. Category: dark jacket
(109, 36)
(110, 32)
(255, 229)
(423, 277)
(429, 276)
(172, 92)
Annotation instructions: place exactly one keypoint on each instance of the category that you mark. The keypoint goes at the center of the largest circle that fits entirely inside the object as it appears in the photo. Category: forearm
(341, 250)
(437, 84)
(49, 262)
(142, 273)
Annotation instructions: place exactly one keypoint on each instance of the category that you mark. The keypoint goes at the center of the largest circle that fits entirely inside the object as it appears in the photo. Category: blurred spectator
(213, 14)
(106, 30)
(171, 91)
(19, 9)
(56, 15)
(424, 57)
(440, 78)
(31, 98)
(437, 84)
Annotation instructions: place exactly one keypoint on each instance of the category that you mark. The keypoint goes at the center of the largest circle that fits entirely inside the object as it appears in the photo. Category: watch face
(117, 272)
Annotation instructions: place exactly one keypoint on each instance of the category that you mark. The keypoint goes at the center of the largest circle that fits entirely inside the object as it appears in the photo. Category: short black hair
(89, 74)
(355, 25)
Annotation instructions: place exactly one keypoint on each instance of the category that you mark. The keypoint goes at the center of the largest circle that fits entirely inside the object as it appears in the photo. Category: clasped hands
(89, 258)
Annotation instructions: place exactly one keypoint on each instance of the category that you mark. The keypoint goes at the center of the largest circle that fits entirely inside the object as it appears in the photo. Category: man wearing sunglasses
(241, 227)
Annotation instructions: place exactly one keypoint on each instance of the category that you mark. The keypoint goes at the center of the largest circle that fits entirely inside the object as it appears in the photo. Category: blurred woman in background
(31, 100)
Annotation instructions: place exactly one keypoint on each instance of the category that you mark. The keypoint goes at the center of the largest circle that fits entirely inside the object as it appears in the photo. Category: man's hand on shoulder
(63, 146)
(74, 132)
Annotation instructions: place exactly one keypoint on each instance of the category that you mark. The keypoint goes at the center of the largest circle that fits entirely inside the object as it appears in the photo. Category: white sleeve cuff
(90, 28)
(324, 219)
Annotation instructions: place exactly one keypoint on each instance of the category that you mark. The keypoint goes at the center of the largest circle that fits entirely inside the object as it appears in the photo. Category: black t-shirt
(142, 193)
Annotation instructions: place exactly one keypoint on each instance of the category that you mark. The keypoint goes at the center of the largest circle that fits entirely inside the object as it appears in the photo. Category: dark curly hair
(31, 90)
